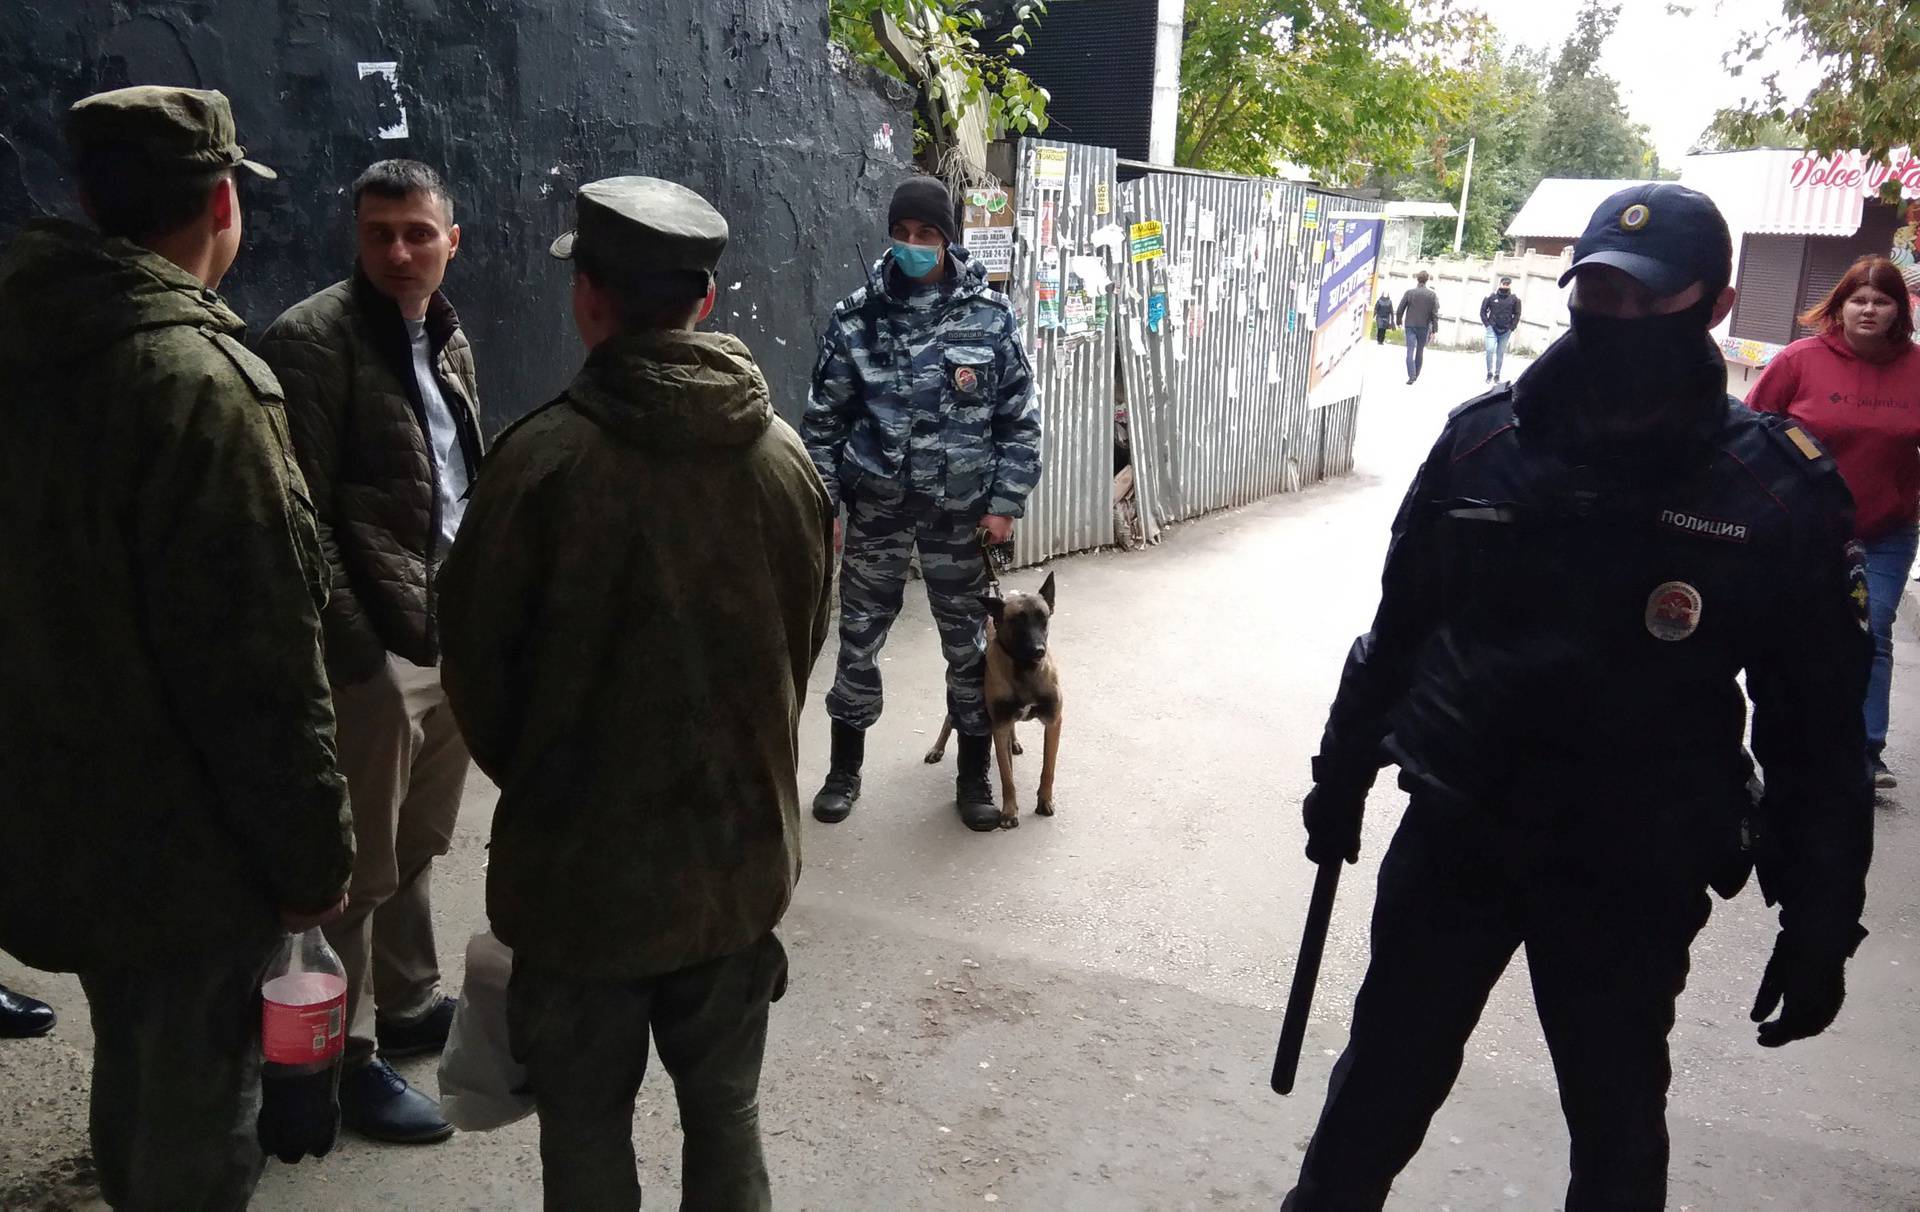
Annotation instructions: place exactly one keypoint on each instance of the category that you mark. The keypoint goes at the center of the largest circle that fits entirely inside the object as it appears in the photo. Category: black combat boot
(842, 788)
(972, 791)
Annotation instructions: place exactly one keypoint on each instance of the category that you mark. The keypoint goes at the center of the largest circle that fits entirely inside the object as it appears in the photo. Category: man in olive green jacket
(628, 620)
(168, 791)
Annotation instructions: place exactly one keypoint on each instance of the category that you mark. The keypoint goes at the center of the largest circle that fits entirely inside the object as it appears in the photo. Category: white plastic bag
(481, 1086)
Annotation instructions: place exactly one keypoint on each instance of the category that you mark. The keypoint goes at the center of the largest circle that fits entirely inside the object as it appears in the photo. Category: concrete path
(1080, 1013)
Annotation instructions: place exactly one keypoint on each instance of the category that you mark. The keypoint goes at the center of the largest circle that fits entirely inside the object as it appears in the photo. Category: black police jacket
(1560, 637)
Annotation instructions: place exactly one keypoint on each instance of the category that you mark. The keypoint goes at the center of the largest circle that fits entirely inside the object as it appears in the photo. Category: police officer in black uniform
(1582, 567)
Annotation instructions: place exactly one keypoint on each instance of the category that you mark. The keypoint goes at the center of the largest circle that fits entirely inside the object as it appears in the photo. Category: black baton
(1306, 974)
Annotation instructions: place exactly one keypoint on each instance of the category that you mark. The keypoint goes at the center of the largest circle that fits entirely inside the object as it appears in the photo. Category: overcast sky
(1668, 66)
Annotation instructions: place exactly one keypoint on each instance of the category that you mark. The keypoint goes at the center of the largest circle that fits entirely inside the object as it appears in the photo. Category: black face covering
(1648, 379)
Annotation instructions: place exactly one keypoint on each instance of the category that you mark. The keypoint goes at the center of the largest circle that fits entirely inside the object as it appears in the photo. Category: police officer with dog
(1587, 561)
(923, 424)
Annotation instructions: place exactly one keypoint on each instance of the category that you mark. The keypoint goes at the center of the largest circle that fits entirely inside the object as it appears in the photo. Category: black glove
(1806, 983)
(1332, 813)
(299, 1114)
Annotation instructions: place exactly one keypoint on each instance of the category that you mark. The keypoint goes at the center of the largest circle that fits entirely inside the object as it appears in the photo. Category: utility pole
(1466, 183)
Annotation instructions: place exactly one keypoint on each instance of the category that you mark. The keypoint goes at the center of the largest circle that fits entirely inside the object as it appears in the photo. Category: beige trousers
(405, 764)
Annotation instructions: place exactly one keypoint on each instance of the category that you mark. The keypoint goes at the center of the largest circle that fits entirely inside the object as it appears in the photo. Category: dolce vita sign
(1853, 172)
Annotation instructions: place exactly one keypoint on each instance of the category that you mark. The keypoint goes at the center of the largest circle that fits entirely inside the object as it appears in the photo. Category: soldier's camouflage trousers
(176, 1081)
(881, 534)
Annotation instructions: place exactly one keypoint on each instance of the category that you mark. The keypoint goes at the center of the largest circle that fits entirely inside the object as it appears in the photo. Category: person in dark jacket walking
(1418, 316)
(1500, 315)
(1382, 317)
(923, 424)
(1583, 568)
(169, 798)
(381, 392)
(630, 616)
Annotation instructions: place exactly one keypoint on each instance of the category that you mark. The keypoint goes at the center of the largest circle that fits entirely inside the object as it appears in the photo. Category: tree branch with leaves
(955, 67)
(1340, 87)
(1868, 96)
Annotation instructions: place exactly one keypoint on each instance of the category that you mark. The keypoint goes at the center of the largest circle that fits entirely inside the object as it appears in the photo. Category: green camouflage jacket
(628, 619)
(167, 773)
(930, 388)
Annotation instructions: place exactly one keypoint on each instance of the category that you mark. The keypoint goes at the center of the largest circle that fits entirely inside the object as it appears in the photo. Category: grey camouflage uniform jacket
(930, 389)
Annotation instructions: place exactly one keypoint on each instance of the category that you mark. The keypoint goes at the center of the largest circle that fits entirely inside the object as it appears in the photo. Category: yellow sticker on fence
(1147, 240)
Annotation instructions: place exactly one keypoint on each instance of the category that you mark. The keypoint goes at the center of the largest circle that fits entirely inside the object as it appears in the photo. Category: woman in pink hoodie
(1856, 386)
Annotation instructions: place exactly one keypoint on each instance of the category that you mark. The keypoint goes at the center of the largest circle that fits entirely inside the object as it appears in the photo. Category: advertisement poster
(1050, 167)
(992, 247)
(1352, 254)
(1147, 240)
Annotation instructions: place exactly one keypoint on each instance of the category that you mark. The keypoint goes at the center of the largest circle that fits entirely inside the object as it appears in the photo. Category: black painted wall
(1095, 59)
(517, 101)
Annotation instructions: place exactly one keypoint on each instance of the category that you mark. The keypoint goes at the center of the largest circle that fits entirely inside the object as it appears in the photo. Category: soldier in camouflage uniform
(169, 798)
(923, 424)
(628, 621)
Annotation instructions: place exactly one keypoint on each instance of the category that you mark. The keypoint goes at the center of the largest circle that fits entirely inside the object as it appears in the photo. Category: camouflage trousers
(585, 1045)
(882, 532)
(176, 1081)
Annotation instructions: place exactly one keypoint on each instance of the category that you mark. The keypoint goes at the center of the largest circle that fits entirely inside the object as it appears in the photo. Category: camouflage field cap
(187, 129)
(644, 225)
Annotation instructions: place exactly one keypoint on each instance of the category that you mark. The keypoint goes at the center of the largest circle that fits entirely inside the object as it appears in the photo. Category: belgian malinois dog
(1023, 683)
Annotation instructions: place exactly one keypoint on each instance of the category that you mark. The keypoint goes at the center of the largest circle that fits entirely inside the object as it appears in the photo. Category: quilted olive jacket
(360, 435)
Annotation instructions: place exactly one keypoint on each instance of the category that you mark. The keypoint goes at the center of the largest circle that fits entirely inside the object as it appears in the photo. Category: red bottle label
(303, 1018)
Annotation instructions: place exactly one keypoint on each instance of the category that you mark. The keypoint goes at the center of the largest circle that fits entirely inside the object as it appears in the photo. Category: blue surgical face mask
(915, 260)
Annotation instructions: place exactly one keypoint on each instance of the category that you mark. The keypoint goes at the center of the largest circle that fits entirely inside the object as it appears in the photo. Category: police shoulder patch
(1673, 611)
(1801, 442)
(1856, 562)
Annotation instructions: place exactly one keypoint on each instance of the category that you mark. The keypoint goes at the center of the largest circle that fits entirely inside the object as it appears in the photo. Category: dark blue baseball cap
(1666, 236)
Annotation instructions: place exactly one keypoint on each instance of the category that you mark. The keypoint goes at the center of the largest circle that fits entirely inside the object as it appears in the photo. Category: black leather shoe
(425, 1034)
(23, 1017)
(972, 791)
(378, 1103)
(842, 789)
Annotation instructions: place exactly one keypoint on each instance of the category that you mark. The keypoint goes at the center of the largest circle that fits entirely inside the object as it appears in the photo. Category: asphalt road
(1080, 1013)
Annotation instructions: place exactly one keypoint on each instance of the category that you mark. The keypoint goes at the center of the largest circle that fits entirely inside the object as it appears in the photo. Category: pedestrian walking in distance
(923, 425)
(1382, 317)
(169, 800)
(1855, 385)
(1418, 316)
(1499, 315)
(631, 613)
(1581, 572)
(381, 391)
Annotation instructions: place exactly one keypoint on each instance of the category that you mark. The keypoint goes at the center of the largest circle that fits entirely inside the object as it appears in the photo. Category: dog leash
(990, 558)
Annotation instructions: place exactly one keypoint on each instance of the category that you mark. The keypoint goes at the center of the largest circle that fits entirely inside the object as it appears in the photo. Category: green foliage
(1340, 87)
(958, 71)
(1868, 96)
(1729, 132)
(1529, 116)
(1501, 110)
(1587, 132)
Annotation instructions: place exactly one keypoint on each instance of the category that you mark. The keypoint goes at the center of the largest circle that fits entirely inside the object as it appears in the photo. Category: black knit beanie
(927, 200)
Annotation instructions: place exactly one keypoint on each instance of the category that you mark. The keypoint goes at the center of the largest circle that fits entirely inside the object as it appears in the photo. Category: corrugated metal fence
(1189, 299)
(1218, 317)
(1066, 319)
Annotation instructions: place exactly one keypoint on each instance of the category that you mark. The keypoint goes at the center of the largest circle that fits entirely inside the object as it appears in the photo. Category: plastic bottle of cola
(303, 1034)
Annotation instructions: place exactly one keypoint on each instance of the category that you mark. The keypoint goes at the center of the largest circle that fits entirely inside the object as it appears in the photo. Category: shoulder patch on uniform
(1804, 444)
(257, 373)
(500, 439)
(1502, 392)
